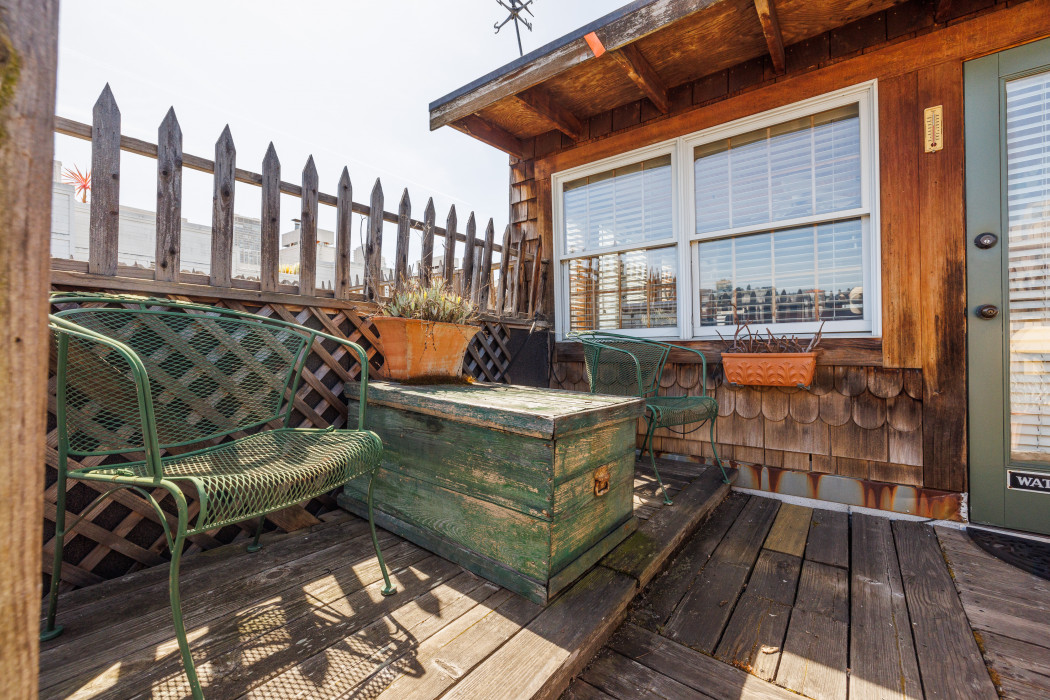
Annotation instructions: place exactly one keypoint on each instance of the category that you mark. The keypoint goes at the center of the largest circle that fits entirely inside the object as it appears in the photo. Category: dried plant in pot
(425, 331)
(754, 359)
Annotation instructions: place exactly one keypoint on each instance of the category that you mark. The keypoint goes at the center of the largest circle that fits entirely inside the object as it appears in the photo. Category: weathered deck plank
(814, 661)
(828, 541)
(882, 658)
(949, 660)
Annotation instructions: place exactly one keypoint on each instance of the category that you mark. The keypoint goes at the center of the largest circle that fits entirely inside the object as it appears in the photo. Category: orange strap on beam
(597, 48)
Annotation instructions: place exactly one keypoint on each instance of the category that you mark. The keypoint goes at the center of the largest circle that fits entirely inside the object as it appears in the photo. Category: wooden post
(374, 243)
(105, 185)
(344, 222)
(222, 210)
(450, 247)
(468, 257)
(504, 269)
(426, 263)
(308, 231)
(485, 278)
(404, 221)
(169, 198)
(534, 282)
(516, 279)
(270, 223)
(28, 56)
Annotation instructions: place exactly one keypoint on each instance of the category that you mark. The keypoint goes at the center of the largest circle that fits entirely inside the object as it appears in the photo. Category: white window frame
(686, 240)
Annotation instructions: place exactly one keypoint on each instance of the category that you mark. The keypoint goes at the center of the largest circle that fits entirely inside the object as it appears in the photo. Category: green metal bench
(178, 387)
(628, 366)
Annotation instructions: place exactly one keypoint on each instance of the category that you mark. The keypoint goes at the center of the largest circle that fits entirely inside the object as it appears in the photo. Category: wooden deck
(771, 600)
(303, 618)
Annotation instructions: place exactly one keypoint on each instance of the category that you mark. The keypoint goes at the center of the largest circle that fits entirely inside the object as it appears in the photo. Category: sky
(347, 81)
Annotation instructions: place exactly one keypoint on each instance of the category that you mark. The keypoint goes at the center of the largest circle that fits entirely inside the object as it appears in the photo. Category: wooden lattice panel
(122, 533)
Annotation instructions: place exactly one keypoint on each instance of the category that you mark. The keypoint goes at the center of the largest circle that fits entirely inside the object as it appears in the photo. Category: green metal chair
(627, 366)
(164, 382)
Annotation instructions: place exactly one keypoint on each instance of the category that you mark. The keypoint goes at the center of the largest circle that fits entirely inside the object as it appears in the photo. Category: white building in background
(136, 245)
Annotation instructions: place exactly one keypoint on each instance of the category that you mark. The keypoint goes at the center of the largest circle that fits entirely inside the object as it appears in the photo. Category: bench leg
(255, 546)
(389, 588)
(652, 459)
(176, 602)
(51, 630)
(714, 448)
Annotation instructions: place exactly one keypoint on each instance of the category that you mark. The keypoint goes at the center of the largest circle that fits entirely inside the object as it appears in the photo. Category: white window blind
(1028, 218)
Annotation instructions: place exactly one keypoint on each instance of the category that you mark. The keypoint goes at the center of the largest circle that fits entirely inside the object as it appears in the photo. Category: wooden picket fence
(123, 534)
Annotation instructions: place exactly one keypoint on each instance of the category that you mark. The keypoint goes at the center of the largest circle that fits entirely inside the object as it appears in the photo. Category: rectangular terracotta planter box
(769, 368)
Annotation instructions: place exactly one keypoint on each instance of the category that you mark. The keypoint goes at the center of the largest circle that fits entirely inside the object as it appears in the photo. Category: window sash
(687, 240)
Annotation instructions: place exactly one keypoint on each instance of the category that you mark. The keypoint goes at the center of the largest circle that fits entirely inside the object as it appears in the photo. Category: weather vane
(515, 8)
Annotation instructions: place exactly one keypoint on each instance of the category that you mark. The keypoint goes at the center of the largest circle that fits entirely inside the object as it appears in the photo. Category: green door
(1008, 279)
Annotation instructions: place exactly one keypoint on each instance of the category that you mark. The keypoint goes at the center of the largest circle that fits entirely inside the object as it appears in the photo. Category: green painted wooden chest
(526, 487)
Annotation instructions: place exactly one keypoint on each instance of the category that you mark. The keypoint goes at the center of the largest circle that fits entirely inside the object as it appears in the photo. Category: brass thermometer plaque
(933, 128)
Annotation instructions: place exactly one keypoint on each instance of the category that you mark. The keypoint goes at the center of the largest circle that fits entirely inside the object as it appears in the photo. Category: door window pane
(625, 206)
(630, 290)
(1028, 221)
(803, 274)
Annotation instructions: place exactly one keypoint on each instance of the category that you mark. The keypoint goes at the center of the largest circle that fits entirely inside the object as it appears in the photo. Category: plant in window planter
(753, 359)
(425, 331)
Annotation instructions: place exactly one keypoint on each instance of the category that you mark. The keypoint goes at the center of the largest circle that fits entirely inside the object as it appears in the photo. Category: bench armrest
(64, 331)
(597, 360)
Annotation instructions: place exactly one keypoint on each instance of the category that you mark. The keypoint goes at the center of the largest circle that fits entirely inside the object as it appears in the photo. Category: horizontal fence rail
(509, 289)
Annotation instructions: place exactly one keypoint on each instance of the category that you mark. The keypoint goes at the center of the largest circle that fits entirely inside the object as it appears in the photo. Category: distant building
(70, 220)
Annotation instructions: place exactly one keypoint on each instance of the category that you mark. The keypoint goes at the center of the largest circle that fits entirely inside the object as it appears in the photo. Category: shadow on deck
(304, 617)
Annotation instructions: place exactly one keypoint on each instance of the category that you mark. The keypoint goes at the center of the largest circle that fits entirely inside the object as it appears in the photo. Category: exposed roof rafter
(540, 102)
(489, 133)
(942, 11)
(767, 15)
(644, 75)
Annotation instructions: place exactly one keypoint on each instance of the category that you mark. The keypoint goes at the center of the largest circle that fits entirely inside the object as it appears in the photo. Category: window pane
(796, 275)
(636, 289)
(795, 169)
(624, 206)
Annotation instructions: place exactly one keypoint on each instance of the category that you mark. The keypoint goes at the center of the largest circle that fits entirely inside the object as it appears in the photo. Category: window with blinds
(766, 221)
(611, 219)
(1028, 220)
(780, 224)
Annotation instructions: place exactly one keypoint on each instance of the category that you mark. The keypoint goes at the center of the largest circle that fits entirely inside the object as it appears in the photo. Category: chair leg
(255, 546)
(652, 460)
(714, 448)
(388, 589)
(51, 630)
(176, 603)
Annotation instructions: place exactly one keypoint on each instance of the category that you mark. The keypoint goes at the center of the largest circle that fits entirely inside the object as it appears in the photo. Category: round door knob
(986, 240)
(987, 311)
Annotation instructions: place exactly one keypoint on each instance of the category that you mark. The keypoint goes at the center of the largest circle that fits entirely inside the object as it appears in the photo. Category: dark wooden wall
(917, 59)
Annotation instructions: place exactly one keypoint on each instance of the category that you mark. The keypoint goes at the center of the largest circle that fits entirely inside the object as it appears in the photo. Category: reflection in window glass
(634, 289)
(804, 274)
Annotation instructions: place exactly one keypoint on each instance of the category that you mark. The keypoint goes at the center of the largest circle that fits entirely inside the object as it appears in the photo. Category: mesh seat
(627, 366)
(266, 471)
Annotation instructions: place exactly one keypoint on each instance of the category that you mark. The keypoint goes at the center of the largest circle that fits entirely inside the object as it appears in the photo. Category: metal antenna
(515, 8)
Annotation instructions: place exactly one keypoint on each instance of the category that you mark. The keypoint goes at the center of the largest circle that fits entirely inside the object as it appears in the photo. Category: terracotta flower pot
(414, 349)
(769, 368)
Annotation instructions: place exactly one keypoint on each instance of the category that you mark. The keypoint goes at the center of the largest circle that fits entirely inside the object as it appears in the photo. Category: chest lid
(543, 413)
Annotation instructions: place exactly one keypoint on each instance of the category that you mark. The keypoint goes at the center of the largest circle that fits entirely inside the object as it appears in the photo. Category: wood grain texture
(308, 230)
(28, 59)
(467, 281)
(105, 185)
(404, 217)
(642, 73)
(540, 102)
(790, 530)
(449, 270)
(374, 243)
(344, 225)
(270, 223)
(767, 15)
(814, 661)
(938, 621)
(222, 209)
(169, 198)
(484, 288)
(426, 262)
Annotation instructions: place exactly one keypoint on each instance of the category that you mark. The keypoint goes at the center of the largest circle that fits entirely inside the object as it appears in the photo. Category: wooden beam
(943, 10)
(615, 30)
(541, 103)
(489, 133)
(644, 76)
(28, 59)
(767, 15)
